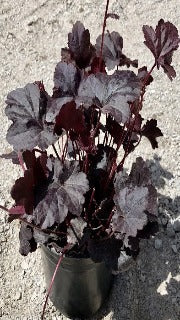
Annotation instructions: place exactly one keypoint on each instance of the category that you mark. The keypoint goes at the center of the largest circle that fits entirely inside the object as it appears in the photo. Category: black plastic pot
(80, 285)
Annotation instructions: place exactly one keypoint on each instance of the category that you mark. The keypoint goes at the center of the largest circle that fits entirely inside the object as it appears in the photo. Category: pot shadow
(150, 289)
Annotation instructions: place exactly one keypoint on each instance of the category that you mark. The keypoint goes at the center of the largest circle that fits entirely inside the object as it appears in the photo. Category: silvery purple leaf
(28, 129)
(112, 49)
(135, 197)
(56, 105)
(40, 236)
(131, 202)
(75, 188)
(65, 193)
(78, 224)
(46, 213)
(66, 78)
(113, 92)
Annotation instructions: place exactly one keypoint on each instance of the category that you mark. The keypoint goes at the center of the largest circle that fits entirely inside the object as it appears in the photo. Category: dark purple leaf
(98, 180)
(65, 193)
(102, 157)
(38, 165)
(143, 76)
(151, 132)
(70, 118)
(23, 191)
(79, 44)
(162, 42)
(130, 141)
(25, 110)
(95, 66)
(114, 128)
(55, 107)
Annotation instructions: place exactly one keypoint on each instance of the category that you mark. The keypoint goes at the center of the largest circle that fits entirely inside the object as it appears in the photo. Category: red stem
(52, 280)
(91, 200)
(102, 41)
(21, 161)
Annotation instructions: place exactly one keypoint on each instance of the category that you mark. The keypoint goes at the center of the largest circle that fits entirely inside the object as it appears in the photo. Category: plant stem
(86, 163)
(91, 199)
(56, 151)
(33, 226)
(21, 161)
(102, 40)
(149, 73)
(73, 230)
(41, 230)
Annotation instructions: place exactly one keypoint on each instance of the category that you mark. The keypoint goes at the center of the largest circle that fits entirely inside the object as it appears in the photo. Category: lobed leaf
(151, 132)
(112, 49)
(134, 198)
(79, 44)
(70, 118)
(113, 93)
(66, 78)
(162, 42)
(28, 129)
(65, 193)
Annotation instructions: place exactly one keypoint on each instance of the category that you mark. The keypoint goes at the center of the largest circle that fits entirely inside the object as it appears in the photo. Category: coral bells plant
(74, 193)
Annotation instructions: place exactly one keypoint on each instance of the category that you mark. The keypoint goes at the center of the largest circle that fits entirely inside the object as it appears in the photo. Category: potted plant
(74, 197)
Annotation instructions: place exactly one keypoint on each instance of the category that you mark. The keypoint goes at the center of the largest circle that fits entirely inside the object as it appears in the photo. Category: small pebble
(18, 295)
(174, 248)
(143, 278)
(176, 225)
(158, 244)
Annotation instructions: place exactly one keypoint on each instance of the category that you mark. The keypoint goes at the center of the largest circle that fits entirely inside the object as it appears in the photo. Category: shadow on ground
(150, 289)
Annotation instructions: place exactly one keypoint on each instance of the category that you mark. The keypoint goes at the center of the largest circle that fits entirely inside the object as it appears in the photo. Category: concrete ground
(32, 33)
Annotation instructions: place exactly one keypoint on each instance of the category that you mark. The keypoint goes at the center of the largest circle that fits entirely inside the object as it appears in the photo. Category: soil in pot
(80, 286)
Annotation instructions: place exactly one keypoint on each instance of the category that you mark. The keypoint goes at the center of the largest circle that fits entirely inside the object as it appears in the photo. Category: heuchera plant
(74, 190)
